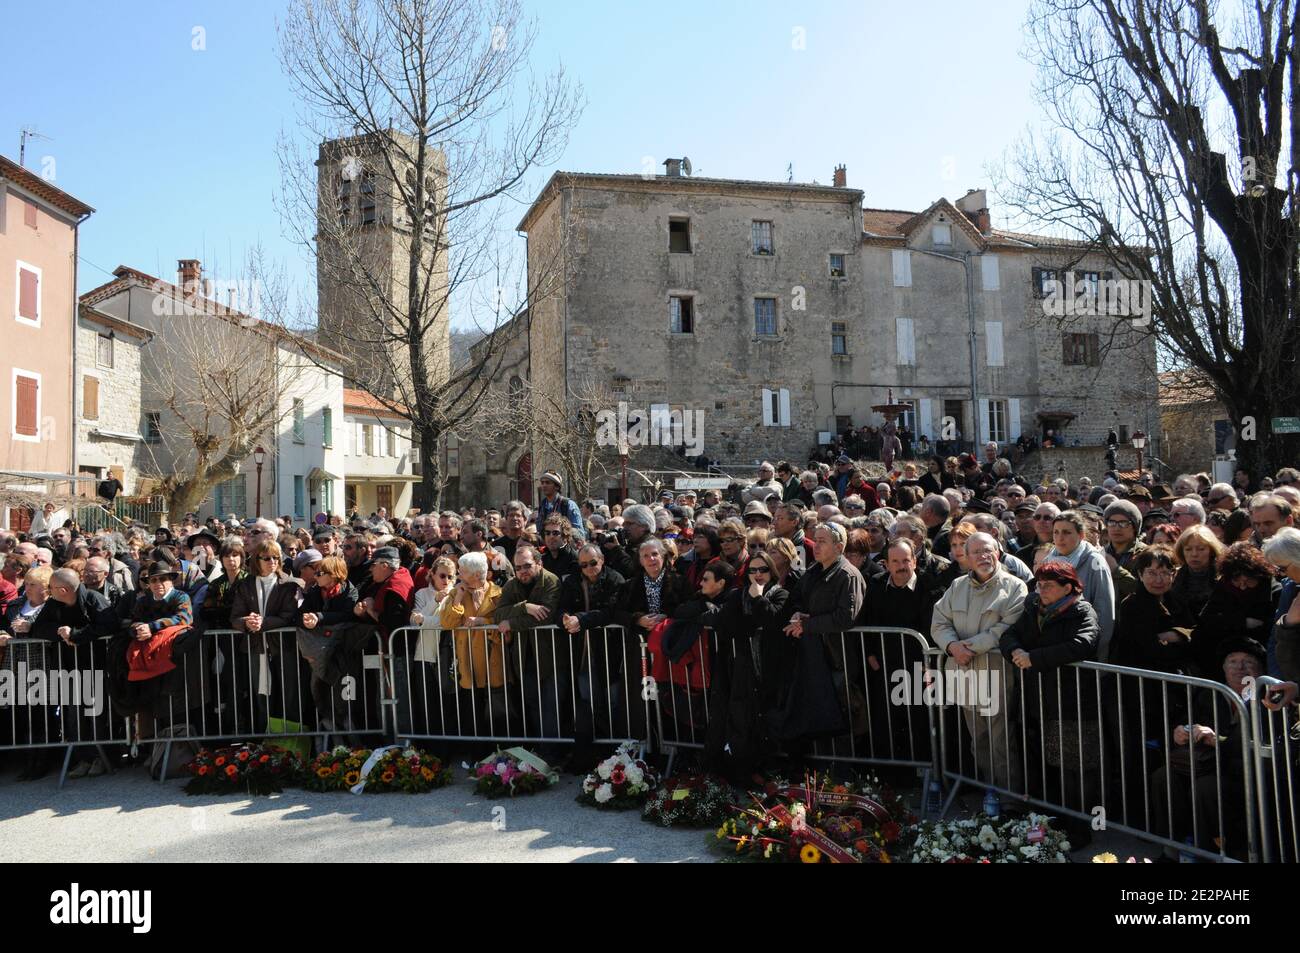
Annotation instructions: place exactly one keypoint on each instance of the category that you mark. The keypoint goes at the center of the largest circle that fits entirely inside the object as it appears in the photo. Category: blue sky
(174, 146)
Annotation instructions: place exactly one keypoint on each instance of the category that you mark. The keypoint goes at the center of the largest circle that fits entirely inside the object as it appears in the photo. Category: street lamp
(1139, 444)
(259, 457)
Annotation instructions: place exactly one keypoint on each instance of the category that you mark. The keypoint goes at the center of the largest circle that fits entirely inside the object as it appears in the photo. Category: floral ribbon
(369, 766)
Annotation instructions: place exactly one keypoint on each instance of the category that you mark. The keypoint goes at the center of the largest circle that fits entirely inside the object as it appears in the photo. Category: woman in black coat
(932, 480)
(1058, 627)
(1242, 606)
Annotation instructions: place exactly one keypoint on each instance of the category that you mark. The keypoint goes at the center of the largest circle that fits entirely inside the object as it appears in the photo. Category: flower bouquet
(619, 782)
(810, 823)
(335, 770)
(987, 840)
(242, 769)
(513, 771)
(408, 770)
(689, 800)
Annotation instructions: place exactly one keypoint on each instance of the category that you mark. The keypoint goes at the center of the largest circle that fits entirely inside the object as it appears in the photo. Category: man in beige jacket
(968, 622)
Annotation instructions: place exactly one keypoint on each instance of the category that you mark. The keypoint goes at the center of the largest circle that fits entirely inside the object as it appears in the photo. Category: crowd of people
(504, 611)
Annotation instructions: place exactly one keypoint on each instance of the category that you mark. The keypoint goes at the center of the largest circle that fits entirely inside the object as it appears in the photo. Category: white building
(302, 471)
(382, 463)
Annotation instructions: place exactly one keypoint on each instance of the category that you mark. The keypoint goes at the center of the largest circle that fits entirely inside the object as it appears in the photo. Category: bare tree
(216, 377)
(438, 138)
(1172, 151)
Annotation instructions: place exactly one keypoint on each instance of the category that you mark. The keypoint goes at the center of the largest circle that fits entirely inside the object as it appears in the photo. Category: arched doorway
(524, 479)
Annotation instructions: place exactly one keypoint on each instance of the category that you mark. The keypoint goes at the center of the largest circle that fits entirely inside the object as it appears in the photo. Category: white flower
(772, 824)
(1030, 851)
(988, 838)
(1014, 842)
(634, 775)
(604, 769)
(502, 767)
(340, 750)
(604, 793)
(408, 753)
(588, 785)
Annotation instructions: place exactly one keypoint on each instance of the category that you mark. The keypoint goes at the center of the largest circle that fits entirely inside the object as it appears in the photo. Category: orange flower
(203, 769)
(231, 770)
(387, 776)
(221, 759)
(840, 789)
(265, 758)
(243, 756)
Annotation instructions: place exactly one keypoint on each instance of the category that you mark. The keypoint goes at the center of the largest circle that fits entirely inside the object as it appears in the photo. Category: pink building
(38, 320)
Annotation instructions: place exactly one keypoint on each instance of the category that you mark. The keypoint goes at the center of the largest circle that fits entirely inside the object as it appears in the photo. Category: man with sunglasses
(588, 599)
(357, 550)
(1221, 497)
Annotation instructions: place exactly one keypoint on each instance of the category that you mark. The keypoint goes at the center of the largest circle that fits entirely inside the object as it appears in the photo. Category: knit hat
(553, 477)
(1127, 509)
(639, 513)
(387, 555)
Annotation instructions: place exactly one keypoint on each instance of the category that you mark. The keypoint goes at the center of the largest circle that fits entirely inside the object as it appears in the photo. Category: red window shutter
(26, 400)
(28, 294)
(29, 214)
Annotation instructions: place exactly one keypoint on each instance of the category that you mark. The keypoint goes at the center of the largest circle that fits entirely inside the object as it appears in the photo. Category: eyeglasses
(1042, 519)
(589, 564)
(266, 559)
(1119, 523)
(552, 532)
(728, 539)
(759, 570)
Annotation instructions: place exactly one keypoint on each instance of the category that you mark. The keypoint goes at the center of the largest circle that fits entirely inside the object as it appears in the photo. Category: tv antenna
(28, 133)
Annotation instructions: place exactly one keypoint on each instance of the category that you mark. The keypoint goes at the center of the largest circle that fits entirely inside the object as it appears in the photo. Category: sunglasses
(728, 539)
(442, 575)
(759, 570)
(552, 532)
(1042, 519)
(266, 559)
(588, 564)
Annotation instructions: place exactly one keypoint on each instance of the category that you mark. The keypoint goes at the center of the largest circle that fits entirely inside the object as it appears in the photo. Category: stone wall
(119, 405)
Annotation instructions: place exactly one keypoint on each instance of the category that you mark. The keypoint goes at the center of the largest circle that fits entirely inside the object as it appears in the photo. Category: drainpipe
(964, 259)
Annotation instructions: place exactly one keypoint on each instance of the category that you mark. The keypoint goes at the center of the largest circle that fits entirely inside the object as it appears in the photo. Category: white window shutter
(358, 439)
(902, 268)
(989, 272)
(923, 423)
(906, 341)
(993, 343)
(1013, 418)
(983, 429)
(767, 408)
(785, 407)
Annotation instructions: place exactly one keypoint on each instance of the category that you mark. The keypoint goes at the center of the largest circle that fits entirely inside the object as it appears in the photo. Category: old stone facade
(1196, 427)
(109, 419)
(783, 312)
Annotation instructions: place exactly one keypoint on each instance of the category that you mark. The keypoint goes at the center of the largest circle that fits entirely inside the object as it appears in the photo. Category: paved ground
(127, 817)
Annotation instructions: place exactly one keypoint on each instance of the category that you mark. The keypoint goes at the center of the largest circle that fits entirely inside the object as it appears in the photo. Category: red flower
(616, 775)
(265, 758)
(203, 769)
(891, 831)
(242, 756)
(231, 770)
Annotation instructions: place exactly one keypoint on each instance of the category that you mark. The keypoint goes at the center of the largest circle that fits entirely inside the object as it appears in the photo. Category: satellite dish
(686, 165)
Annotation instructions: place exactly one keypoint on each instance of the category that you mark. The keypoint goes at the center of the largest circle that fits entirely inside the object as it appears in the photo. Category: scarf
(1075, 558)
(653, 588)
(1058, 608)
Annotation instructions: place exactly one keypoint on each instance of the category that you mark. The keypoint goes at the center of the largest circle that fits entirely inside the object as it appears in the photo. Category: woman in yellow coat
(481, 667)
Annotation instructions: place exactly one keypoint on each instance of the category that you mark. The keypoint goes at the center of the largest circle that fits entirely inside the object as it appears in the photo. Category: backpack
(181, 753)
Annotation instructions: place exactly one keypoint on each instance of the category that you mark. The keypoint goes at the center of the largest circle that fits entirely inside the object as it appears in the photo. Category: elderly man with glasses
(1221, 496)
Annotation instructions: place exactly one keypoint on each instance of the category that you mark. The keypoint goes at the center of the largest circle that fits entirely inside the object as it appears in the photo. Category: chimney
(673, 168)
(840, 179)
(189, 272)
(975, 206)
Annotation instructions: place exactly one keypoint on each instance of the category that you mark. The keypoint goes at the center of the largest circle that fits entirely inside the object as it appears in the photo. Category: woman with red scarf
(1058, 627)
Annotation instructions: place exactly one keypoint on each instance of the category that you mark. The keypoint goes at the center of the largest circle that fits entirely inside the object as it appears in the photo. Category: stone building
(109, 438)
(1196, 427)
(782, 312)
(364, 242)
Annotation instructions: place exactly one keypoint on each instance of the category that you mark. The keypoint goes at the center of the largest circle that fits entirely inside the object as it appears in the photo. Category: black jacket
(832, 597)
(86, 617)
(1141, 618)
(1069, 637)
(335, 610)
(594, 609)
(1227, 616)
(562, 564)
(632, 603)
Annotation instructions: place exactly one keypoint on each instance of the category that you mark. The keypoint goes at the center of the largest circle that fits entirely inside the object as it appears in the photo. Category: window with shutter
(299, 422)
(906, 342)
(27, 406)
(902, 269)
(993, 343)
(989, 272)
(27, 308)
(327, 427)
(29, 214)
(104, 351)
(90, 398)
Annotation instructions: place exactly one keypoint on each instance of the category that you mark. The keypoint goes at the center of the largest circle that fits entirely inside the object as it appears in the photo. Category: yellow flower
(809, 854)
(885, 858)
(740, 844)
(352, 777)
(1107, 858)
(322, 772)
(427, 774)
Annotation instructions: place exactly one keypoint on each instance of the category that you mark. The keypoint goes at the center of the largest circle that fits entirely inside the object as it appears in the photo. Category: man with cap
(305, 565)
(325, 542)
(757, 515)
(553, 502)
(1140, 497)
(203, 546)
(765, 486)
(1025, 536)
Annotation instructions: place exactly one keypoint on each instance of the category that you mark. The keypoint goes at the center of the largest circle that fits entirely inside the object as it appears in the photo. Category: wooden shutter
(90, 397)
(26, 399)
(784, 407)
(993, 344)
(902, 269)
(29, 290)
(1013, 418)
(29, 214)
(768, 420)
(982, 425)
(924, 423)
(989, 272)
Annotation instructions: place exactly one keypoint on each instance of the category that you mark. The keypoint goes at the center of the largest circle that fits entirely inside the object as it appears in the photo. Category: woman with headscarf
(1240, 607)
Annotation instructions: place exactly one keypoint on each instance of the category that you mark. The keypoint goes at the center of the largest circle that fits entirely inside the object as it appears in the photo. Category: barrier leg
(67, 759)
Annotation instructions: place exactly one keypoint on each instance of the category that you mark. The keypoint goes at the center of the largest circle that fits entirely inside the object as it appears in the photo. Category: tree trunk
(430, 487)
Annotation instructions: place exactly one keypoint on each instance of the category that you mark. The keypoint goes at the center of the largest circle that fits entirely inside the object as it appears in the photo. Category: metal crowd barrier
(56, 698)
(1097, 742)
(1276, 748)
(881, 731)
(543, 684)
(235, 685)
